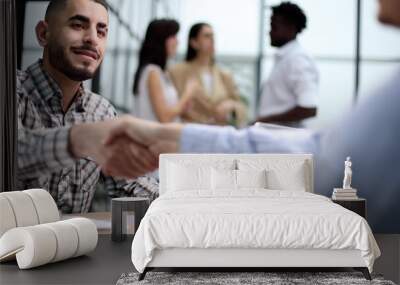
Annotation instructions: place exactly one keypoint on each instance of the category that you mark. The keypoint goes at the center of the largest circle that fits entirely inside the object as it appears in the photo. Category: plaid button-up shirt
(44, 160)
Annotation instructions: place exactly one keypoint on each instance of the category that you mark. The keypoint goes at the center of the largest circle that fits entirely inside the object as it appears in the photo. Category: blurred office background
(354, 53)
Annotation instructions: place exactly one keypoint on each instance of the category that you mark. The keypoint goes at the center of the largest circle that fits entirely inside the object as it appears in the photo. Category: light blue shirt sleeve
(369, 134)
(216, 139)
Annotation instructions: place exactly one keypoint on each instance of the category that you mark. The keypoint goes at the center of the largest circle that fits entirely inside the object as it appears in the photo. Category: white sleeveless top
(142, 104)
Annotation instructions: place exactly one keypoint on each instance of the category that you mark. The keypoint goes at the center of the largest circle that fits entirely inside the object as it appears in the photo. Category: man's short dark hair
(292, 14)
(56, 5)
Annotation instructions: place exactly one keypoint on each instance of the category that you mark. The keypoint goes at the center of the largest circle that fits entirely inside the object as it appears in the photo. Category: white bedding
(254, 218)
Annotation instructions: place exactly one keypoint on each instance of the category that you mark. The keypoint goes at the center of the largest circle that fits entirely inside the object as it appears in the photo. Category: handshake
(125, 147)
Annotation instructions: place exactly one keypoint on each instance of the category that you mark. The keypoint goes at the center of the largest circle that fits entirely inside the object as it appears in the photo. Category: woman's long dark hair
(153, 49)
(193, 33)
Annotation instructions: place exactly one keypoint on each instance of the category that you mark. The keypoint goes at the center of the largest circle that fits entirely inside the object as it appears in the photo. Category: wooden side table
(358, 206)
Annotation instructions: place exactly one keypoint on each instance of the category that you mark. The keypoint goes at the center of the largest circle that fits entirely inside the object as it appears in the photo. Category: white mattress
(254, 219)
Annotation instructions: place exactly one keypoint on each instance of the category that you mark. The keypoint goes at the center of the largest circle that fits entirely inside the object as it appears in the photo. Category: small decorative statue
(347, 174)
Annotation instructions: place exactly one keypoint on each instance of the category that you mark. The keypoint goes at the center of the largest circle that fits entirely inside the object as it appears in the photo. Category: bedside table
(358, 206)
(122, 211)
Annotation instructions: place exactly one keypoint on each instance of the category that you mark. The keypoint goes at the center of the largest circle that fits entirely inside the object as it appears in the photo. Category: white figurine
(347, 174)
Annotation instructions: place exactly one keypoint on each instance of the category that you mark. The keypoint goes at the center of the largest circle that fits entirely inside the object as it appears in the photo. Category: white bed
(198, 223)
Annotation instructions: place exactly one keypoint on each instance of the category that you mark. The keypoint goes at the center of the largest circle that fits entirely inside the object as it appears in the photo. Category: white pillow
(281, 174)
(231, 180)
(291, 179)
(251, 178)
(184, 178)
(223, 179)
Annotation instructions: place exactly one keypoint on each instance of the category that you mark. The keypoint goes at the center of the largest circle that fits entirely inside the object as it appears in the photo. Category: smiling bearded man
(62, 125)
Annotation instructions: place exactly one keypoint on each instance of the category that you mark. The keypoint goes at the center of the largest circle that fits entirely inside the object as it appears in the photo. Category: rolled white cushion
(40, 244)
(66, 238)
(23, 208)
(7, 218)
(87, 234)
(45, 205)
(33, 246)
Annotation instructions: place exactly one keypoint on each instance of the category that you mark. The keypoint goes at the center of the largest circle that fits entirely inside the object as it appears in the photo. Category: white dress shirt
(292, 82)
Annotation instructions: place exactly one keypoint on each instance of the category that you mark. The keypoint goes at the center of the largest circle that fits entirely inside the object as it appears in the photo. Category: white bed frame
(251, 258)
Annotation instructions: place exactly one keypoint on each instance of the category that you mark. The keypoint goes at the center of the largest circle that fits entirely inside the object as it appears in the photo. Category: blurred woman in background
(156, 98)
(217, 100)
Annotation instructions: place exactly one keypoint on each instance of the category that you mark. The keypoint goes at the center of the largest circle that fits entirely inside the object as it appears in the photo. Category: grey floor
(389, 262)
(103, 266)
(110, 260)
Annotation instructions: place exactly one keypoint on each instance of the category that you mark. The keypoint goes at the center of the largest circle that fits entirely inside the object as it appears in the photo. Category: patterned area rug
(243, 278)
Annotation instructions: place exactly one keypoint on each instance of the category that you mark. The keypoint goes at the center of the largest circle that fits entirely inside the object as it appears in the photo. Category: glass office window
(336, 92)
(379, 49)
(235, 24)
(34, 12)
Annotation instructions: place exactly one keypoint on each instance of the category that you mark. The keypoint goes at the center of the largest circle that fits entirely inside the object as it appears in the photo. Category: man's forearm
(42, 151)
(49, 150)
(84, 139)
